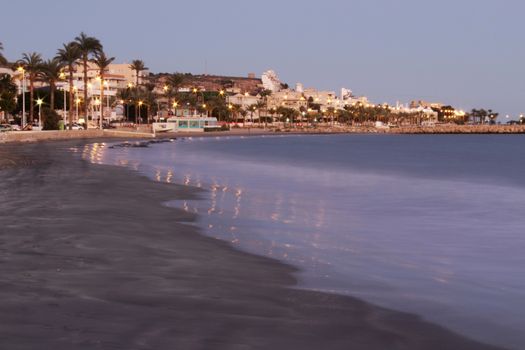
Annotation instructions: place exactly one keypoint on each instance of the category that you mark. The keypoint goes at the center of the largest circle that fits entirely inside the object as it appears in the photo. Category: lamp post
(196, 91)
(90, 95)
(101, 99)
(22, 70)
(39, 103)
(175, 104)
(63, 76)
(65, 107)
(140, 107)
(204, 106)
(230, 110)
(96, 103)
(77, 101)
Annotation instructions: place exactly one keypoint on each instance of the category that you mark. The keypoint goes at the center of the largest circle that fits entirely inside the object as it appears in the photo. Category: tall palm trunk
(52, 88)
(71, 98)
(101, 100)
(85, 62)
(137, 78)
(31, 96)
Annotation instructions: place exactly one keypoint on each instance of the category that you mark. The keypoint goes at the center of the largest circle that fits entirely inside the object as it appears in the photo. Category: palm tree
(138, 66)
(126, 96)
(3, 60)
(264, 105)
(87, 46)
(492, 115)
(32, 63)
(176, 80)
(8, 91)
(69, 55)
(174, 83)
(51, 72)
(260, 105)
(102, 62)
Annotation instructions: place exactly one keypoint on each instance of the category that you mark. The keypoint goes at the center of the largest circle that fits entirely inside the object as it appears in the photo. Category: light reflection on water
(449, 250)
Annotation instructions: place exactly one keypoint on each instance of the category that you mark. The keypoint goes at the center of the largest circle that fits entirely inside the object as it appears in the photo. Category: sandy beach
(90, 258)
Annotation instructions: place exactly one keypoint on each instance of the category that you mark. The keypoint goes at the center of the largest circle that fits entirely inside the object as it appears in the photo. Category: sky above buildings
(468, 53)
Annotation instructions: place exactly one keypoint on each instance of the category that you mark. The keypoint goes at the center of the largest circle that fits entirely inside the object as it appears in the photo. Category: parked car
(5, 127)
(76, 126)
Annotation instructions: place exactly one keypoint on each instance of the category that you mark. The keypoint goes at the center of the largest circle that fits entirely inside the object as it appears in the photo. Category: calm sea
(433, 225)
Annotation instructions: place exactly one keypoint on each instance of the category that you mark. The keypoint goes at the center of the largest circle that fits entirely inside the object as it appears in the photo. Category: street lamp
(22, 70)
(39, 103)
(96, 103)
(230, 110)
(62, 75)
(77, 102)
(140, 107)
(175, 104)
(90, 99)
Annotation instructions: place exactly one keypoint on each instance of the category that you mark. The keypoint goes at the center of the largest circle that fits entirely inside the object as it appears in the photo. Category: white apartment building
(130, 76)
(271, 81)
(244, 100)
(287, 98)
(327, 99)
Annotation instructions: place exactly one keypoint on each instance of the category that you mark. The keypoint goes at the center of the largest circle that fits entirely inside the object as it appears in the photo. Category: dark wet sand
(91, 259)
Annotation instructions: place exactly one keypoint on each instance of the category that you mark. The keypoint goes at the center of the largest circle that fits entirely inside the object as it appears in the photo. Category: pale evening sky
(469, 53)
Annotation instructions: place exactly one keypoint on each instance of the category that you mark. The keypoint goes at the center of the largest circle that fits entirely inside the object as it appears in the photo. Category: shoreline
(105, 270)
(445, 129)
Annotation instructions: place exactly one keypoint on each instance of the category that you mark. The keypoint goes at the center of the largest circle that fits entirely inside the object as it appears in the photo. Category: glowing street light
(39, 103)
(140, 107)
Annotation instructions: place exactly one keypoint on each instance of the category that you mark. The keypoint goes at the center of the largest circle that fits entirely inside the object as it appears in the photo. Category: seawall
(33, 136)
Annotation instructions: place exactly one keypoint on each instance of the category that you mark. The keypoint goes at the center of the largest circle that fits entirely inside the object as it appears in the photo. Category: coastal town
(336, 175)
(82, 88)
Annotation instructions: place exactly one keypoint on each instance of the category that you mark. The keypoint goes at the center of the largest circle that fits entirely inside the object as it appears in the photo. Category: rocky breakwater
(457, 129)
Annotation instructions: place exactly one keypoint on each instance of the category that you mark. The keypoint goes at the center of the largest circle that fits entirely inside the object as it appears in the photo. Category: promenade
(145, 132)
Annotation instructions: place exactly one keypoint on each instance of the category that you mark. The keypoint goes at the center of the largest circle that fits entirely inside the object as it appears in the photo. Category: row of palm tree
(79, 52)
(102, 62)
(68, 55)
(85, 49)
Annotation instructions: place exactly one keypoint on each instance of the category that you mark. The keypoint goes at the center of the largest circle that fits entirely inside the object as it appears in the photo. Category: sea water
(429, 224)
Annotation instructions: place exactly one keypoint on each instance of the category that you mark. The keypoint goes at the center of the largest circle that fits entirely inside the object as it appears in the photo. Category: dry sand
(91, 259)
